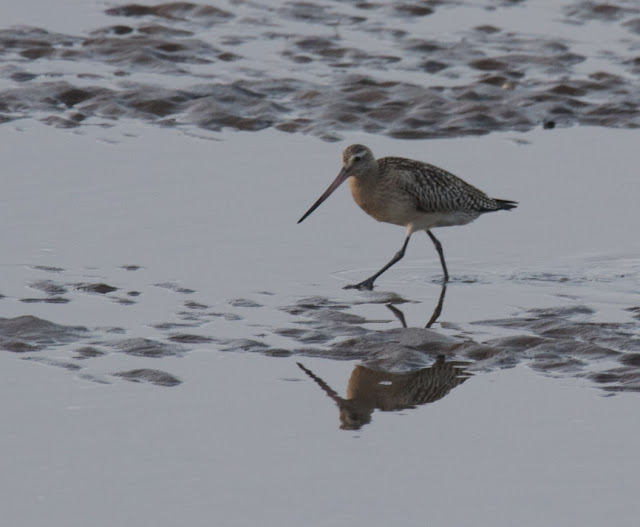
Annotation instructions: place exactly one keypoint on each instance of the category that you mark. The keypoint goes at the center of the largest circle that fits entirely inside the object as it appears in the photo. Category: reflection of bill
(371, 389)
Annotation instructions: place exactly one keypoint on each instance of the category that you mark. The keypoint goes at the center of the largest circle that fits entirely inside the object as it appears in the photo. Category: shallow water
(241, 444)
(168, 265)
(176, 348)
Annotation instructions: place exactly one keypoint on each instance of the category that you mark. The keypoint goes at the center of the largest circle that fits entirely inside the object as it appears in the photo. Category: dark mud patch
(49, 287)
(635, 311)
(48, 268)
(165, 326)
(145, 375)
(195, 305)
(188, 338)
(89, 352)
(243, 302)
(29, 333)
(54, 290)
(70, 366)
(199, 317)
(176, 288)
(475, 81)
(81, 346)
(171, 11)
(97, 288)
(605, 353)
(142, 347)
(586, 11)
(565, 341)
(244, 345)
(46, 300)
(311, 304)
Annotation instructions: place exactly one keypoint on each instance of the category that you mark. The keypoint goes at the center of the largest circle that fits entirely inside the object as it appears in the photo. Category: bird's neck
(366, 178)
(363, 188)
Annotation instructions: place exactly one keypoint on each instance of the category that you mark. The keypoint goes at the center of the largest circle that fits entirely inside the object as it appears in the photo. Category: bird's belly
(394, 213)
(429, 220)
(403, 212)
(399, 208)
(382, 207)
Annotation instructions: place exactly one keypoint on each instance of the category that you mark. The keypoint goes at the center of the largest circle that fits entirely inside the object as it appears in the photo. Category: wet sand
(409, 71)
(176, 347)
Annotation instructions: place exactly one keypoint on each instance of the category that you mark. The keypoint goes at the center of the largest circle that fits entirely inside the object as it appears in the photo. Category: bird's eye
(357, 158)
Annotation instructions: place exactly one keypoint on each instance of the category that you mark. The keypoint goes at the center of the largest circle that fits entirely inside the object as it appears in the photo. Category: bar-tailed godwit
(416, 195)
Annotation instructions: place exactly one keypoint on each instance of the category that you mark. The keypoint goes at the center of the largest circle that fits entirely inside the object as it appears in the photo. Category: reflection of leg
(368, 283)
(440, 253)
(399, 314)
(436, 312)
(438, 309)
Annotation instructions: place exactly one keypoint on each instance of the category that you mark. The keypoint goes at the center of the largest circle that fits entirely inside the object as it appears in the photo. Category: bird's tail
(505, 204)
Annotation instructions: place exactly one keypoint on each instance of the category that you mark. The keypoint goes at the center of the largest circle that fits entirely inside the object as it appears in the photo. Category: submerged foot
(367, 284)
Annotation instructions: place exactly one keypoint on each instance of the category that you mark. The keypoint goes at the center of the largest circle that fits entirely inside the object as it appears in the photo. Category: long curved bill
(342, 177)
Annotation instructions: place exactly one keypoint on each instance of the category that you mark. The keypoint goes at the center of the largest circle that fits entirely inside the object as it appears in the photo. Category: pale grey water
(239, 443)
(196, 231)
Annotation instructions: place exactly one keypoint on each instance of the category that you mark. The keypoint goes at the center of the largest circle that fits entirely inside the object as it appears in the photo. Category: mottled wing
(435, 189)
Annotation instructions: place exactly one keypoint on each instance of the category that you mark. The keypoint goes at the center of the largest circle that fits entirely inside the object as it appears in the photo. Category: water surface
(175, 348)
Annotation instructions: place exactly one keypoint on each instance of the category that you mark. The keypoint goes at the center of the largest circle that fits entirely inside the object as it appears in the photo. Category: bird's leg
(440, 253)
(368, 283)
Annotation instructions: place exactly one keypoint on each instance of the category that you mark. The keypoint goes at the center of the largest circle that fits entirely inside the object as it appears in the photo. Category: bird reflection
(436, 312)
(370, 389)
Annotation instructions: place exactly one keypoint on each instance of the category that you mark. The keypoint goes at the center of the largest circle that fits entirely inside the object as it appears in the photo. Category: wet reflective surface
(171, 327)
(564, 341)
(412, 70)
(175, 349)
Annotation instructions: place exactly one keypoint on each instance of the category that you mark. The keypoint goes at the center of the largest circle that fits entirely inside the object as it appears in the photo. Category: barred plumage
(434, 189)
(410, 193)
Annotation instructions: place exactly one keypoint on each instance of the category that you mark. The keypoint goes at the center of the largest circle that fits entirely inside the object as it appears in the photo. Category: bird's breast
(366, 197)
(380, 204)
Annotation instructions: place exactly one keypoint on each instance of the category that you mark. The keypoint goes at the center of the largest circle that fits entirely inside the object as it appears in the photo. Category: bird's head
(357, 160)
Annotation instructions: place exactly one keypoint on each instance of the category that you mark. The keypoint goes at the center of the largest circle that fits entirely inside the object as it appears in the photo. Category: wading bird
(416, 195)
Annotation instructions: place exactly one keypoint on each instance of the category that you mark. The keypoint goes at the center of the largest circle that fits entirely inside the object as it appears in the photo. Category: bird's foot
(367, 284)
